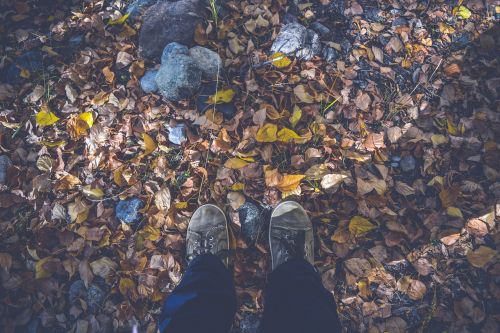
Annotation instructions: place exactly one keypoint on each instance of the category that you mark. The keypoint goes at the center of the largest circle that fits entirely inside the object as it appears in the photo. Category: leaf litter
(391, 146)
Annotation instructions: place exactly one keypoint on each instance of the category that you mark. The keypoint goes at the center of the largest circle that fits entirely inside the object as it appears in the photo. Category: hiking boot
(207, 233)
(290, 234)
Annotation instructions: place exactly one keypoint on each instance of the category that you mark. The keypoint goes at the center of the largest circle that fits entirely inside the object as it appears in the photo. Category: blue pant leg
(204, 301)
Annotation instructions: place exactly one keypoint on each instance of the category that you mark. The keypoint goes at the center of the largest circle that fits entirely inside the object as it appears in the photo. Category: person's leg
(205, 300)
(295, 299)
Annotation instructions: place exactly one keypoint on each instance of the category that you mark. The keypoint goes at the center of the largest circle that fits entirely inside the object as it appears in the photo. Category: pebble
(321, 29)
(127, 211)
(177, 134)
(249, 323)
(5, 162)
(330, 54)
(31, 61)
(408, 163)
(250, 216)
(148, 81)
(75, 41)
(295, 39)
(94, 295)
(173, 49)
(399, 22)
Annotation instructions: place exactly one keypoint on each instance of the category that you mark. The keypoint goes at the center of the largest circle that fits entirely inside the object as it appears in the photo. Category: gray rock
(166, 22)
(251, 220)
(177, 134)
(178, 78)
(148, 81)
(137, 7)
(208, 61)
(322, 30)
(250, 323)
(329, 54)
(5, 162)
(408, 163)
(127, 210)
(295, 39)
(173, 49)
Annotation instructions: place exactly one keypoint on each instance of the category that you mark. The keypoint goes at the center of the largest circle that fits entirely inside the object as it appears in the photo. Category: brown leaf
(85, 272)
(416, 290)
(103, 267)
(481, 256)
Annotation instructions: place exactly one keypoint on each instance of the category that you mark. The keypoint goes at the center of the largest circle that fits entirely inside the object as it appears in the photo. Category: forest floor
(393, 149)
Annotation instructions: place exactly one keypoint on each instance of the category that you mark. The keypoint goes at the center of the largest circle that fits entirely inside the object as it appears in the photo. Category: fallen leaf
(103, 267)
(149, 144)
(289, 182)
(454, 212)
(462, 12)
(331, 180)
(222, 96)
(481, 256)
(235, 163)
(416, 290)
(302, 94)
(359, 226)
(45, 117)
(295, 117)
(119, 20)
(267, 133)
(285, 135)
(93, 193)
(280, 60)
(163, 199)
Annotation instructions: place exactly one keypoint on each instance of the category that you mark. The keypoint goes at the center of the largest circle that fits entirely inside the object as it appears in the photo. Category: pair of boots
(295, 299)
(290, 234)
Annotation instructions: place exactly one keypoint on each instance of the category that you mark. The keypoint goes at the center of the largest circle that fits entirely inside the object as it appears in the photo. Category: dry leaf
(285, 135)
(267, 133)
(359, 226)
(163, 199)
(45, 117)
(481, 256)
(280, 60)
(302, 94)
(149, 144)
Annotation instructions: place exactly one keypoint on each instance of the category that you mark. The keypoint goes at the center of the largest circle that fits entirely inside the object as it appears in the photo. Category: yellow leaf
(285, 135)
(462, 11)
(153, 234)
(149, 144)
(295, 117)
(222, 96)
(40, 269)
(238, 187)
(438, 139)
(181, 205)
(359, 225)
(267, 133)
(126, 285)
(235, 163)
(289, 182)
(280, 60)
(93, 193)
(452, 129)
(454, 211)
(50, 51)
(45, 117)
(445, 28)
(87, 117)
(25, 74)
(119, 20)
(52, 144)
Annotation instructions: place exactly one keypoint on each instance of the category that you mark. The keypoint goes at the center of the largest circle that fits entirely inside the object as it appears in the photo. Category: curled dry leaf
(163, 199)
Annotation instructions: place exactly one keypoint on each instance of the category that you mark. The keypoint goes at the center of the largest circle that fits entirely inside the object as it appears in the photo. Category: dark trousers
(205, 300)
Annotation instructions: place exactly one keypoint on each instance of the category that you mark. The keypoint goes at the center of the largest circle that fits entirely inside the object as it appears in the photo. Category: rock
(173, 49)
(289, 18)
(330, 54)
(208, 61)
(249, 322)
(94, 295)
(399, 21)
(322, 30)
(295, 39)
(177, 134)
(408, 163)
(228, 110)
(30, 61)
(137, 7)
(251, 221)
(148, 81)
(127, 211)
(5, 163)
(179, 77)
(166, 22)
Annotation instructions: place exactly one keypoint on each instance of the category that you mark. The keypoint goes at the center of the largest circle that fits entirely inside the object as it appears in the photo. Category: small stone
(178, 78)
(127, 211)
(208, 61)
(251, 221)
(173, 49)
(94, 295)
(330, 54)
(408, 163)
(249, 322)
(30, 61)
(399, 22)
(177, 134)
(5, 163)
(322, 30)
(148, 81)
(295, 39)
